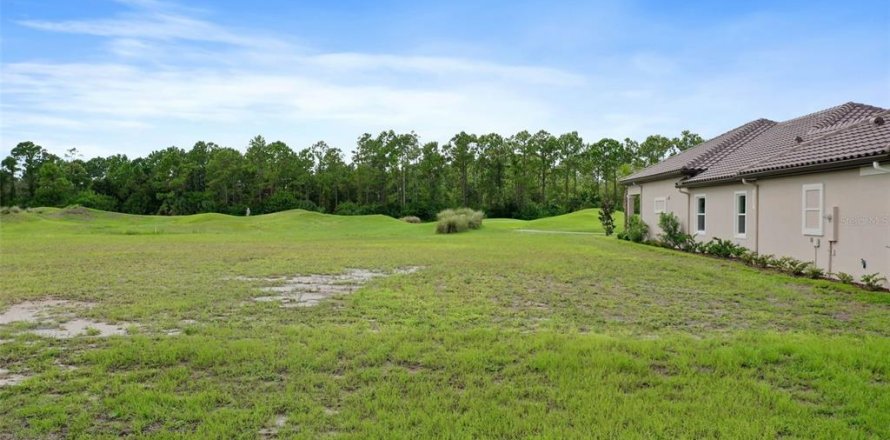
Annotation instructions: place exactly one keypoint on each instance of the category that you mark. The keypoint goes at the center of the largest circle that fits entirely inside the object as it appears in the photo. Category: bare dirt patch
(9, 379)
(276, 424)
(310, 290)
(58, 319)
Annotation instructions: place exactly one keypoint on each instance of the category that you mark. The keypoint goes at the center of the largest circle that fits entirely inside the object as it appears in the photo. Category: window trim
(737, 216)
(703, 214)
(655, 204)
(820, 231)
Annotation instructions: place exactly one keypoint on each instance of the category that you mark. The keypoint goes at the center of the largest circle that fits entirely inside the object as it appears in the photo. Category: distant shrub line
(672, 237)
(451, 221)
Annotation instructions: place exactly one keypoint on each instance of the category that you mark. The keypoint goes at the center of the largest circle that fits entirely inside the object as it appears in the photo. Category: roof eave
(630, 180)
(824, 166)
(781, 172)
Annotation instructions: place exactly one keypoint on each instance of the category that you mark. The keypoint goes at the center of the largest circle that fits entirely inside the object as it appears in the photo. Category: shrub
(451, 221)
(844, 277)
(762, 261)
(690, 244)
(723, 248)
(410, 219)
(91, 199)
(673, 236)
(605, 216)
(637, 229)
(813, 271)
(10, 210)
(791, 266)
(347, 208)
(873, 281)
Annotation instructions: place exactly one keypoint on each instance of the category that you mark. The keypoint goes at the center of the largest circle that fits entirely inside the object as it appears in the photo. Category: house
(816, 188)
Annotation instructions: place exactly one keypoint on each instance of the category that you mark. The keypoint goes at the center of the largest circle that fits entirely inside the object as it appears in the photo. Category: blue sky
(133, 76)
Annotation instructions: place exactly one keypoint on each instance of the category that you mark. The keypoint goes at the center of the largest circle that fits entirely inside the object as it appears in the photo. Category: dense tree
(525, 175)
(461, 153)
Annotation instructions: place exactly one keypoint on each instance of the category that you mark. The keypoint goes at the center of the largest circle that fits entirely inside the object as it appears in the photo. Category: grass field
(500, 334)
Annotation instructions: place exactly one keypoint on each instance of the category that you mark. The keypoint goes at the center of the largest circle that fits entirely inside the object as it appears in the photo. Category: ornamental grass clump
(451, 221)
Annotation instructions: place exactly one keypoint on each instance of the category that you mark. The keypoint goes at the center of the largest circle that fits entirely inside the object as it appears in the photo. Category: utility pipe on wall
(756, 212)
(688, 208)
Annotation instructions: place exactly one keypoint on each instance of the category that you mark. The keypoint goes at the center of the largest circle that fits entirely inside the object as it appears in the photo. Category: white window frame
(820, 210)
(664, 202)
(738, 216)
(703, 214)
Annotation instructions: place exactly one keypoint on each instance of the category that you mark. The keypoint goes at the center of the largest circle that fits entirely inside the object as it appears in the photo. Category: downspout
(682, 190)
(877, 166)
(756, 212)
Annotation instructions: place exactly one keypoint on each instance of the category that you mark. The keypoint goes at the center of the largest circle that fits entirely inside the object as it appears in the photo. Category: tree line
(526, 175)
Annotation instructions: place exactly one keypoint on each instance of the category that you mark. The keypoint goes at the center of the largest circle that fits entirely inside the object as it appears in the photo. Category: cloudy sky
(132, 76)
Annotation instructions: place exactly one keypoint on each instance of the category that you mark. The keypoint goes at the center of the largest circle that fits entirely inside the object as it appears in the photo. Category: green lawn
(501, 334)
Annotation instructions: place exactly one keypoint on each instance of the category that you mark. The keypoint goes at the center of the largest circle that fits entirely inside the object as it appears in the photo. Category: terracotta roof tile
(869, 137)
(697, 157)
(835, 134)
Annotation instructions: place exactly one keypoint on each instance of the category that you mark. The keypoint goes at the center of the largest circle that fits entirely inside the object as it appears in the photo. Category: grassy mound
(585, 220)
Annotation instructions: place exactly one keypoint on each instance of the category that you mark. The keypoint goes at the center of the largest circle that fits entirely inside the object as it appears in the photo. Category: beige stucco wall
(720, 213)
(675, 202)
(863, 226)
(863, 223)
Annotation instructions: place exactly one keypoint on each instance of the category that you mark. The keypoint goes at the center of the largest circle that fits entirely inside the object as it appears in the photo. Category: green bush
(637, 230)
(672, 235)
(348, 208)
(410, 219)
(791, 266)
(723, 248)
(844, 277)
(91, 199)
(813, 271)
(873, 281)
(451, 221)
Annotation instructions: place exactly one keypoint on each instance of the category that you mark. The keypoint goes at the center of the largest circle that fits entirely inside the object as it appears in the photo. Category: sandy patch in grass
(310, 290)
(8, 379)
(272, 431)
(56, 319)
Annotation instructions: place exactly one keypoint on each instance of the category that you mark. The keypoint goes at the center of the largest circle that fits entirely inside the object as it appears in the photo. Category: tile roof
(848, 132)
(700, 156)
(867, 138)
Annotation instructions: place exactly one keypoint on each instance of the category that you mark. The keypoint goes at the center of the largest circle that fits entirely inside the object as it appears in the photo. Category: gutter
(756, 212)
(792, 171)
(629, 181)
(685, 191)
(816, 167)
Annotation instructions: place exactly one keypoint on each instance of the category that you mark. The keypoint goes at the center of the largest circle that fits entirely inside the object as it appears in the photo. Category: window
(741, 214)
(700, 213)
(812, 209)
(660, 205)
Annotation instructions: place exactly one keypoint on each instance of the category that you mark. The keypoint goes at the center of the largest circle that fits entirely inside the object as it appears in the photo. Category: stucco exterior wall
(675, 202)
(862, 225)
(720, 214)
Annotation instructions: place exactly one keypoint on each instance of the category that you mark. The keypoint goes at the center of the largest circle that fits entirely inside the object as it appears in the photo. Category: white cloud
(167, 77)
(155, 78)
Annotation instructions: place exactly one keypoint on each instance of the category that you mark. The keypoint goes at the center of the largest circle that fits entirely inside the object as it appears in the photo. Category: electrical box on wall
(833, 221)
